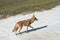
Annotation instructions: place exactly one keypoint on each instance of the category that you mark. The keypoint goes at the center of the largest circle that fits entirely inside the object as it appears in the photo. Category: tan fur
(26, 23)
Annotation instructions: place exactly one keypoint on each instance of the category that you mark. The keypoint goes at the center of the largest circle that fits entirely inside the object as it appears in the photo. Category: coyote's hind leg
(26, 29)
(20, 28)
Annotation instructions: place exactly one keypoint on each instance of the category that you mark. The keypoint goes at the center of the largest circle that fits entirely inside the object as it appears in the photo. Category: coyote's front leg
(31, 26)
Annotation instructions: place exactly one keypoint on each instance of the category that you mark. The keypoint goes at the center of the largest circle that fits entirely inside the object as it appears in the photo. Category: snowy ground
(47, 27)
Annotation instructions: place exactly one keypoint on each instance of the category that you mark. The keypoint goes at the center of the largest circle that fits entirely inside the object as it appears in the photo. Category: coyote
(26, 23)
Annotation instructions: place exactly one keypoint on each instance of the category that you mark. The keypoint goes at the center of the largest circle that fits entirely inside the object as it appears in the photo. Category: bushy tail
(15, 28)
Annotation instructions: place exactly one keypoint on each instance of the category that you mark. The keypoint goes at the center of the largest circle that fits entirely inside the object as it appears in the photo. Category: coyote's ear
(33, 15)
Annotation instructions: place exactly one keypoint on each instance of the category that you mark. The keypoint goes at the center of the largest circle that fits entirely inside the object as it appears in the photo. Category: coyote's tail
(15, 28)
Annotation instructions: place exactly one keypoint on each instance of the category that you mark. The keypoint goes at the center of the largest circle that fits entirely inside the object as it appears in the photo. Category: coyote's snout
(26, 23)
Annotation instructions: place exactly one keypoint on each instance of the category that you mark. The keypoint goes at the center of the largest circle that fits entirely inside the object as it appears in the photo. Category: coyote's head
(34, 18)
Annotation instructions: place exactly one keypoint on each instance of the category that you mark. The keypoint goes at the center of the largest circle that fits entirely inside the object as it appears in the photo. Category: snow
(48, 18)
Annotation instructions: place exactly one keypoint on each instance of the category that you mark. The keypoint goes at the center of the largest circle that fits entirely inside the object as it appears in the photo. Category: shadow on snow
(33, 29)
